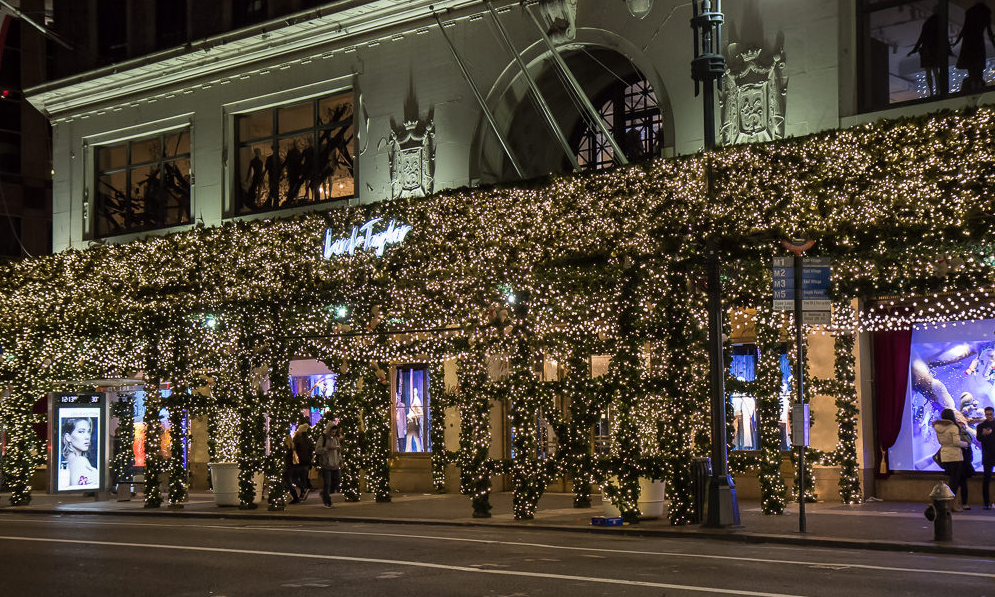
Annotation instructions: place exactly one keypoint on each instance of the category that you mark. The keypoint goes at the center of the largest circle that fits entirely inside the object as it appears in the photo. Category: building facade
(354, 103)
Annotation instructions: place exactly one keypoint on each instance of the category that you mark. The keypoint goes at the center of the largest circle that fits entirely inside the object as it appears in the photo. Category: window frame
(234, 204)
(92, 197)
(616, 94)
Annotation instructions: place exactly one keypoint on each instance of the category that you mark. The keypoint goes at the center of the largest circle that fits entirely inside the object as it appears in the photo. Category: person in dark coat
(290, 469)
(329, 452)
(986, 437)
(304, 447)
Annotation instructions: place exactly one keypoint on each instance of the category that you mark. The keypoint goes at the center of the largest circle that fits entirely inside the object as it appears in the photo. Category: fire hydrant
(939, 512)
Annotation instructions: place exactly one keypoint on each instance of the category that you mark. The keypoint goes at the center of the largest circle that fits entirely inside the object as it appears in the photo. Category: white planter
(224, 480)
(651, 502)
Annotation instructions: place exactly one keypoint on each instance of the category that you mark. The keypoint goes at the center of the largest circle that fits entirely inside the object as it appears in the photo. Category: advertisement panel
(951, 365)
(78, 443)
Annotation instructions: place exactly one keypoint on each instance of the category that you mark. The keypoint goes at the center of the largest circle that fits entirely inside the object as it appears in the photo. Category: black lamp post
(707, 67)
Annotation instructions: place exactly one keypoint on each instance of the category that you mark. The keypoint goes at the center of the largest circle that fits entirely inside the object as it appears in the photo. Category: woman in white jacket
(951, 455)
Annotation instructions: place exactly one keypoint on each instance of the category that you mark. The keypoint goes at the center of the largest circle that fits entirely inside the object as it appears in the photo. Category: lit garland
(442, 399)
(887, 201)
(766, 388)
(123, 459)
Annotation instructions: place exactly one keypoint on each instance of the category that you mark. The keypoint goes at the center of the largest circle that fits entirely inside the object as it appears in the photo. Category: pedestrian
(986, 437)
(304, 448)
(951, 454)
(290, 468)
(329, 451)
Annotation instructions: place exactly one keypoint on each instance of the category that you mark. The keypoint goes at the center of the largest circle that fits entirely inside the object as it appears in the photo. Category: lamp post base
(723, 506)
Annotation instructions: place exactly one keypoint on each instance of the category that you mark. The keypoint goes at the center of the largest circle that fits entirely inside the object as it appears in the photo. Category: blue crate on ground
(605, 521)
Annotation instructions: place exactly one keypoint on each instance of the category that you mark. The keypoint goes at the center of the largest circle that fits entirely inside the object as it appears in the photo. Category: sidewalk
(889, 526)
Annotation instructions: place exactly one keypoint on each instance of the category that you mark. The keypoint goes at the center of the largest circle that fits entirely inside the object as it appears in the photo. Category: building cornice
(319, 33)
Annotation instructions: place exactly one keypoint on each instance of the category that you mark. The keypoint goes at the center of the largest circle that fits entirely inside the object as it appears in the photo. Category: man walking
(986, 437)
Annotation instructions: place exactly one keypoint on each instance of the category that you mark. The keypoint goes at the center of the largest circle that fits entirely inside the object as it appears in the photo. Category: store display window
(746, 421)
(950, 365)
(412, 410)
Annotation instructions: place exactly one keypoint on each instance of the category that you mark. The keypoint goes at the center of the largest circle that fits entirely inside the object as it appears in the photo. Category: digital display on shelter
(951, 365)
(78, 442)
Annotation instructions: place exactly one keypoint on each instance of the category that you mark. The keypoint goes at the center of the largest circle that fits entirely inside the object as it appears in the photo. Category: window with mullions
(143, 184)
(294, 155)
(921, 50)
(632, 115)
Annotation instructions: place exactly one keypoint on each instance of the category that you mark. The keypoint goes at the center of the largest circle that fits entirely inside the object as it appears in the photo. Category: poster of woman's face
(79, 449)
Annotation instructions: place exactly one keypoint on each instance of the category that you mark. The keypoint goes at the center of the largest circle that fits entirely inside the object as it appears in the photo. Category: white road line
(597, 550)
(611, 581)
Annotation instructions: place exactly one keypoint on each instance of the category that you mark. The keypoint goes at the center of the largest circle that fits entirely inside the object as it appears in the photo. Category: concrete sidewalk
(890, 526)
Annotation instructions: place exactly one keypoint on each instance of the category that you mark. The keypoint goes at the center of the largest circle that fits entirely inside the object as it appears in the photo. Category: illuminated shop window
(951, 366)
(920, 50)
(632, 114)
(412, 412)
(143, 184)
(746, 419)
(295, 155)
(603, 432)
(319, 386)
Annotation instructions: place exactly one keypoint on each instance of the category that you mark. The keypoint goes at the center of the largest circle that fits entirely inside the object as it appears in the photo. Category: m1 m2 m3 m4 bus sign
(363, 237)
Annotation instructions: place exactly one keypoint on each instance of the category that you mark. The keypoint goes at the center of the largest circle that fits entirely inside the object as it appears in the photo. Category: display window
(412, 410)
(921, 50)
(321, 385)
(951, 365)
(295, 155)
(746, 420)
(141, 425)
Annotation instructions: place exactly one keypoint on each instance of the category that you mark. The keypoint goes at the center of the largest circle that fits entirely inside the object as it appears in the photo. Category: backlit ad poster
(951, 366)
(78, 443)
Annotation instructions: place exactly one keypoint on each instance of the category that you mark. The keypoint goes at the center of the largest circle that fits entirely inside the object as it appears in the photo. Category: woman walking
(304, 448)
(329, 453)
(951, 455)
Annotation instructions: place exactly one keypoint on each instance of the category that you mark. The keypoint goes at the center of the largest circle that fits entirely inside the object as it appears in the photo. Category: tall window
(920, 50)
(412, 410)
(143, 184)
(631, 113)
(295, 155)
(746, 419)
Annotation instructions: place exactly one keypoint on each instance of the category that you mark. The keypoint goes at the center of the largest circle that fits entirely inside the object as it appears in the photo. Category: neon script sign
(363, 237)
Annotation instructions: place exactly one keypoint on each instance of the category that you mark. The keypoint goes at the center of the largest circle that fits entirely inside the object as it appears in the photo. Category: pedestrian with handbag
(304, 449)
(951, 453)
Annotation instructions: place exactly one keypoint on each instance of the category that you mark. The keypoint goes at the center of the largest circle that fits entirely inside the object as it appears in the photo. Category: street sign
(815, 285)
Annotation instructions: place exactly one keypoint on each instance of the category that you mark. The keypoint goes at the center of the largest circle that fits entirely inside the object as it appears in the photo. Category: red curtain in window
(891, 378)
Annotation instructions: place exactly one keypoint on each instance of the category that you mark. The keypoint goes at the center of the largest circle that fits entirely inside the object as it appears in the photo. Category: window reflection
(143, 184)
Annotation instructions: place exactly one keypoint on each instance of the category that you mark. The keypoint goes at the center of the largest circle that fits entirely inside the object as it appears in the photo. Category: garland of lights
(442, 399)
(766, 388)
(123, 460)
(900, 206)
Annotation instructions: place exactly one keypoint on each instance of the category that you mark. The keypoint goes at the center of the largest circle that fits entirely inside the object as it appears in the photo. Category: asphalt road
(126, 556)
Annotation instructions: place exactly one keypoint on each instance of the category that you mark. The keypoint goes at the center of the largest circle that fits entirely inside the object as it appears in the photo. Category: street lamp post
(708, 67)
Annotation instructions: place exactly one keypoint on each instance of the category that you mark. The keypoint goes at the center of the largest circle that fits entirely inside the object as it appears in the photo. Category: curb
(735, 536)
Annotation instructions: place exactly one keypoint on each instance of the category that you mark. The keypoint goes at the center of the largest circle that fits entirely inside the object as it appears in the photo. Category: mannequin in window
(977, 21)
(415, 412)
(933, 47)
(400, 422)
(254, 177)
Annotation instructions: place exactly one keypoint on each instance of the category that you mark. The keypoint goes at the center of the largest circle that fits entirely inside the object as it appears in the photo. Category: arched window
(632, 114)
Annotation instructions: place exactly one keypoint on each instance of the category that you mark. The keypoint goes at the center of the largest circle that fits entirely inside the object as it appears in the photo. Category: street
(111, 555)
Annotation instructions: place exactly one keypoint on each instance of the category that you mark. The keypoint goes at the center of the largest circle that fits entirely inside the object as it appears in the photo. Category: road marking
(609, 581)
(589, 551)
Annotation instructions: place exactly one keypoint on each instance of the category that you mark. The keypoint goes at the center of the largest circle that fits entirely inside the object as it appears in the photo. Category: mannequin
(414, 443)
(400, 422)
